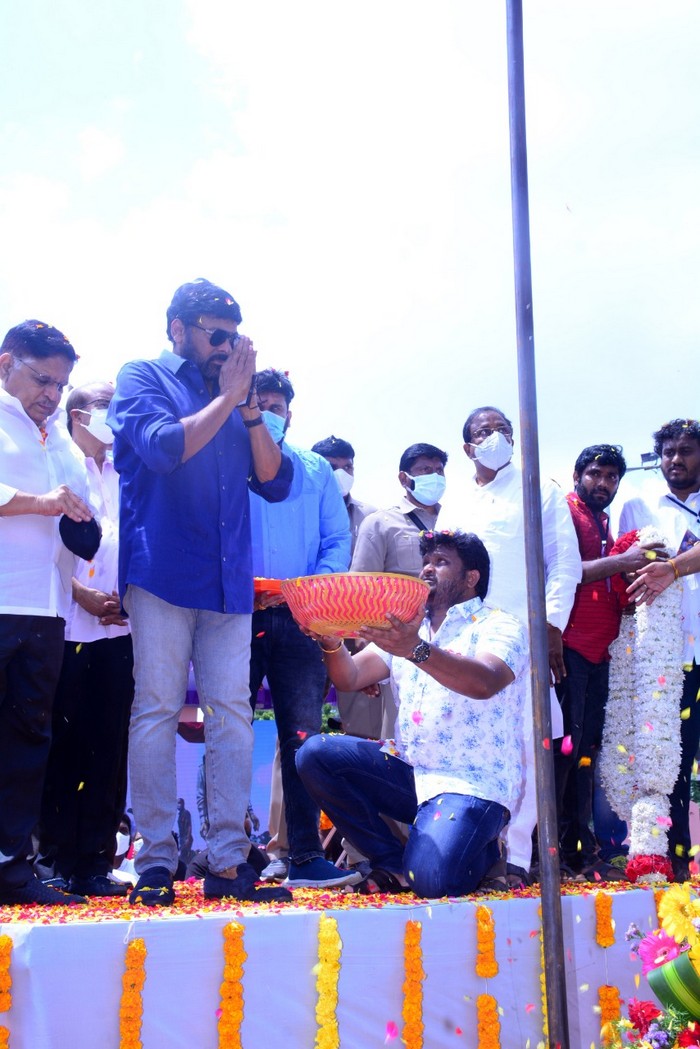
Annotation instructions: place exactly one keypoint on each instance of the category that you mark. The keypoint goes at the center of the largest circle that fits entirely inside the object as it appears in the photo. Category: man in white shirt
(675, 512)
(85, 788)
(491, 505)
(40, 479)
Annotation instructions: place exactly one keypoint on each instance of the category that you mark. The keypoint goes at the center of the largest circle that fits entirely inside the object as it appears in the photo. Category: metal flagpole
(558, 1032)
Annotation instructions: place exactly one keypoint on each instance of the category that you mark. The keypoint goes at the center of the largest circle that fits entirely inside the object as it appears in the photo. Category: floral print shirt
(457, 744)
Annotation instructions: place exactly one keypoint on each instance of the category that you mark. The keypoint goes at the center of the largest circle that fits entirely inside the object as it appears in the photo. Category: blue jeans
(297, 678)
(453, 839)
(166, 637)
(610, 830)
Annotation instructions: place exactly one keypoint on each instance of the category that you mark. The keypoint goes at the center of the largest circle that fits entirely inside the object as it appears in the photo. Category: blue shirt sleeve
(141, 413)
(276, 490)
(334, 550)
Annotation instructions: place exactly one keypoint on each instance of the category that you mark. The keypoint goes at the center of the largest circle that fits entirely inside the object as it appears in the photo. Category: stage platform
(67, 966)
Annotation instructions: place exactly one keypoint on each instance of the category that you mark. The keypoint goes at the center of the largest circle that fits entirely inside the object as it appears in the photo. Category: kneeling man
(458, 678)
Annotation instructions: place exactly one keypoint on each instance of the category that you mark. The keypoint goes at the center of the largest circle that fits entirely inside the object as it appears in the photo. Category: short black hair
(200, 296)
(415, 451)
(270, 380)
(472, 552)
(605, 455)
(674, 429)
(34, 338)
(467, 428)
(334, 448)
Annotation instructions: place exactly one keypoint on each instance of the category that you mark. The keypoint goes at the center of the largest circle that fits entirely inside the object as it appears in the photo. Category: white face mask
(123, 842)
(494, 452)
(345, 481)
(98, 426)
(428, 489)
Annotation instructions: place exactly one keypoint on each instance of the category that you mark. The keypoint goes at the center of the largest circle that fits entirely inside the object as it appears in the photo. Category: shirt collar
(464, 610)
(172, 361)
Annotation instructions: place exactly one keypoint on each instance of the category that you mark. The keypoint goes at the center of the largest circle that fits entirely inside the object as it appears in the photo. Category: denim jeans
(453, 839)
(583, 694)
(166, 637)
(610, 830)
(297, 678)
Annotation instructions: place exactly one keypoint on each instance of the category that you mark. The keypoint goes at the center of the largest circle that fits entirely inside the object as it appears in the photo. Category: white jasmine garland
(640, 756)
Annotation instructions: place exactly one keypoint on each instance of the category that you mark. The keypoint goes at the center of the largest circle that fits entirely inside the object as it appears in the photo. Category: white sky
(343, 170)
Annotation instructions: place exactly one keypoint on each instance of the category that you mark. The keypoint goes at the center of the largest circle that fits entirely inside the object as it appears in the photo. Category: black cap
(80, 537)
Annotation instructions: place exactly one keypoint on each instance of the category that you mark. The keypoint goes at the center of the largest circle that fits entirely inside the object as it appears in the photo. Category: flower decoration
(414, 975)
(609, 1001)
(131, 1005)
(604, 927)
(486, 964)
(640, 756)
(4, 1037)
(328, 971)
(679, 910)
(488, 1025)
(231, 1008)
(5, 978)
(656, 949)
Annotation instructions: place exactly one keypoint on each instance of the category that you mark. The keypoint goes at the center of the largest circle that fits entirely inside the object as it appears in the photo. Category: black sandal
(385, 881)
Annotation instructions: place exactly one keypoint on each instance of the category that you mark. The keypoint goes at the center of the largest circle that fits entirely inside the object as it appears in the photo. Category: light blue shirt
(306, 534)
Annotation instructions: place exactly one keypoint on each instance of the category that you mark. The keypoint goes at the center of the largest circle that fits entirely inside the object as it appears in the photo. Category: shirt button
(223, 524)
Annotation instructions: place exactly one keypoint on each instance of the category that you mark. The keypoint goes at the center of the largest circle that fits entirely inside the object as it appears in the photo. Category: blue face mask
(276, 425)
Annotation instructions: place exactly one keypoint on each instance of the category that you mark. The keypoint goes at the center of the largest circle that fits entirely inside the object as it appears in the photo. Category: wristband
(674, 566)
(250, 423)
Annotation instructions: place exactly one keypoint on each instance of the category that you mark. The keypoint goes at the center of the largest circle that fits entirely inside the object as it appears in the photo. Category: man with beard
(189, 442)
(676, 513)
(593, 625)
(458, 677)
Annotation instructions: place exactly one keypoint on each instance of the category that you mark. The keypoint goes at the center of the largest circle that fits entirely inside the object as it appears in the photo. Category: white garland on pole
(640, 755)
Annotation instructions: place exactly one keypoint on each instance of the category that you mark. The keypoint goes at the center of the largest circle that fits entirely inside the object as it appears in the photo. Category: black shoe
(681, 870)
(242, 887)
(56, 882)
(154, 888)
(36, 891)
(97, 885)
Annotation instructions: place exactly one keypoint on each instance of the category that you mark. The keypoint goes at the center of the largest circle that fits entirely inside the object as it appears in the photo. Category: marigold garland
(413, 987)
(329, 949)
(609, 1001)
(604, 928)
(543, 983)
(486, 964)
(231, 990)
(131, 1005)
(488, 1024)
(4, 1038)
(5, 978)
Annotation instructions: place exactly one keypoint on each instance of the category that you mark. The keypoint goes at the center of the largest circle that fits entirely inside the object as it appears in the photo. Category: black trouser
(31, 651)
(85, 790)
(679, 833)
(583, 694)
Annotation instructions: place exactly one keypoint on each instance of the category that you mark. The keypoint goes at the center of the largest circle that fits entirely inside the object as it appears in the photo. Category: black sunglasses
(217, 336)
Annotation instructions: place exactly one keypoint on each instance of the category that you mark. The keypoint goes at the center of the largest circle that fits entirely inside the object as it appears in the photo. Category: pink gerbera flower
(656, 949)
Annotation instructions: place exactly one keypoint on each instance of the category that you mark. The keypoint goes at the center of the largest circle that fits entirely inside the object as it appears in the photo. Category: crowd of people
(133, 521)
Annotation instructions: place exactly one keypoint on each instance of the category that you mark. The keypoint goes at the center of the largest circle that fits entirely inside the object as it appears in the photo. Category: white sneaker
(276, 870)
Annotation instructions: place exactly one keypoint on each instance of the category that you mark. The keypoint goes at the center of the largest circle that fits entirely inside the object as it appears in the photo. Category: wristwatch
(420, 653)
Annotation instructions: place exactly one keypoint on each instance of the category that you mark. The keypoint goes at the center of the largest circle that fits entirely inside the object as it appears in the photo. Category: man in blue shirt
(307, 534)
(188, 443)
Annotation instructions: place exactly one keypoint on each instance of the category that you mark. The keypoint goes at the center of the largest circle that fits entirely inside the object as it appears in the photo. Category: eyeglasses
(217, 336)
(486, 431)
(43, 381)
